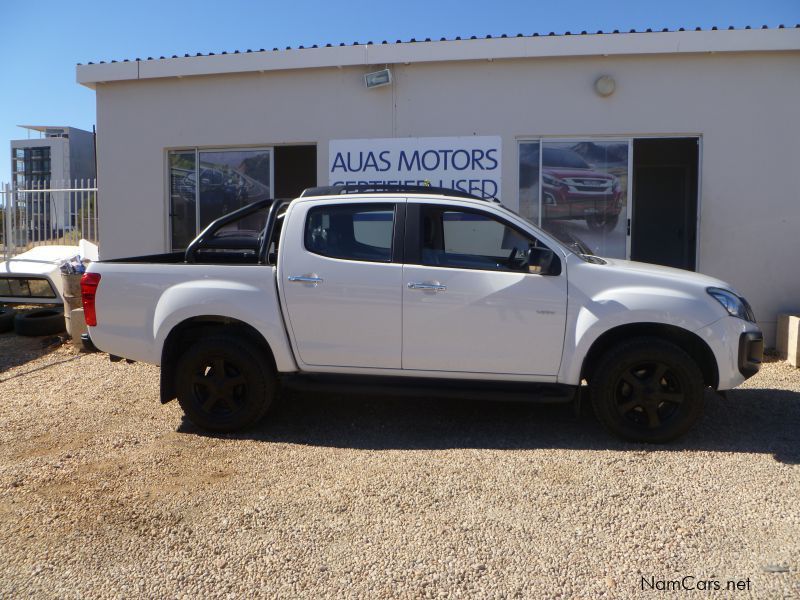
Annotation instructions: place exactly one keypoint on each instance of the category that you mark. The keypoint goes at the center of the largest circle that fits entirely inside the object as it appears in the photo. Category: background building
(56, 158)
(55, 154)
(677, 148)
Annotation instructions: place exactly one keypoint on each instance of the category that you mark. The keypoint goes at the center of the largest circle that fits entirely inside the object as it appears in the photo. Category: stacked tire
(7, 319)
(37, 322)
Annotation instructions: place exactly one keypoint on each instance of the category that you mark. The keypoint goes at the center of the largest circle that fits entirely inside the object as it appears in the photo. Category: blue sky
(43, 40)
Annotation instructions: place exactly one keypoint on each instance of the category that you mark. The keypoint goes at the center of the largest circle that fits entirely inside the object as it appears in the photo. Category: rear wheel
(647, 390)
(224, 383)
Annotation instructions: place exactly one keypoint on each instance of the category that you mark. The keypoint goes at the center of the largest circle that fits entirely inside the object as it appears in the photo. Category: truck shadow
(748, 421)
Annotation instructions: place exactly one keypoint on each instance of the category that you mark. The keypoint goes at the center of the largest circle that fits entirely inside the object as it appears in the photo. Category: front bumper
(751, 352)
(738, 347)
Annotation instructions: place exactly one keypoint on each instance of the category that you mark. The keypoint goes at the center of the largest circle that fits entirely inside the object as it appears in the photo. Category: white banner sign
(470, 164)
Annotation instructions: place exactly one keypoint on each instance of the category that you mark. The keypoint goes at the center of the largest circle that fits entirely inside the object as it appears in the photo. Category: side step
(550, 393)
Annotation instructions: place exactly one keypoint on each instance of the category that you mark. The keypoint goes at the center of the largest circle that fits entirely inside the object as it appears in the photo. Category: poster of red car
(579, 188)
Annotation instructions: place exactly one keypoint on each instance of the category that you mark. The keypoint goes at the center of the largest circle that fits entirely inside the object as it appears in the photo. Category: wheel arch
(689, 342)
(194, 328)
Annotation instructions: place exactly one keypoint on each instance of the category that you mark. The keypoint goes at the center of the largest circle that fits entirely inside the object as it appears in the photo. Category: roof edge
(550, 46)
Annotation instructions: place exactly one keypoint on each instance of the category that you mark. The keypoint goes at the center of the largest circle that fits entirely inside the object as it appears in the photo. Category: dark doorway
(295, 170)
(664, 230)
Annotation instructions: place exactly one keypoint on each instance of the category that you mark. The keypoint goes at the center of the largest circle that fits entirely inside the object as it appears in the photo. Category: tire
(6, 319)
(602, 223)
(647, 390)
(42, 321)
(236, 400)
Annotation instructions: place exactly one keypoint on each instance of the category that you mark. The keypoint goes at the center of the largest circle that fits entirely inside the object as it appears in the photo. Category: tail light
(89, 283)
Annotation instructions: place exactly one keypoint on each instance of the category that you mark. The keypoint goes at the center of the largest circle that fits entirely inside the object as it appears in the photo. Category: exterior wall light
(378, 78)
(605, 85)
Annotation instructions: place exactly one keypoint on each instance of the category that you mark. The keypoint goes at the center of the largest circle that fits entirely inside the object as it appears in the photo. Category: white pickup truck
(418, 291)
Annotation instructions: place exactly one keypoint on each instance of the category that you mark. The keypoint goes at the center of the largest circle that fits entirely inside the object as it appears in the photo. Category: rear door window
(351, 231)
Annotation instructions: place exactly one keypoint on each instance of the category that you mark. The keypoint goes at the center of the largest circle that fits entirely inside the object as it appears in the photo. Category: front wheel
(224, 383)
(647, 390)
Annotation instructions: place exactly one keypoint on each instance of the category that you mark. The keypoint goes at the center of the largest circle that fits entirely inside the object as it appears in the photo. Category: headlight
(735, 305)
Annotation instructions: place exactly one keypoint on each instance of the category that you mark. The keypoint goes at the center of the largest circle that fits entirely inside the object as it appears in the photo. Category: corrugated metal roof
(443, 39)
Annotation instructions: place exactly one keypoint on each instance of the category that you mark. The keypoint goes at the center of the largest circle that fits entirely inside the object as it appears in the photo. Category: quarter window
(351, 232)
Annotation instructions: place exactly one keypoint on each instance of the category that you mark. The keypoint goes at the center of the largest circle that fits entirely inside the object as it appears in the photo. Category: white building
(680, 148)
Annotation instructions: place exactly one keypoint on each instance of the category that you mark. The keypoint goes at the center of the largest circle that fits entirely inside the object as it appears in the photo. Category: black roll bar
(269, 230)
(217, 224)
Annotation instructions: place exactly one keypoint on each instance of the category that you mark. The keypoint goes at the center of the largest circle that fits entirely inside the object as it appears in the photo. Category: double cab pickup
(418, 290)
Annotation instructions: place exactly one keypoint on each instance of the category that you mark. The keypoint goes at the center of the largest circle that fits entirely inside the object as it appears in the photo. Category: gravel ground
(106, 493)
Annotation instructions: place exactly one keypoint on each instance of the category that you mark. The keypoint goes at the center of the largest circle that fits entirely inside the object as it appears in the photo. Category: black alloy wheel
(218, 387)
(648, 394)
(225, 383)
(647, 390)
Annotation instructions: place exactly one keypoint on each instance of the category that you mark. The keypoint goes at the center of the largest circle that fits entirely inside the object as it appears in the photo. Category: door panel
(471, 302)
(484, 322)
(352, 317)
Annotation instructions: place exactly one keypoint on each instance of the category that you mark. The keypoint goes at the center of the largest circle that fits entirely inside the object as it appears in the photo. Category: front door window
(471, 240)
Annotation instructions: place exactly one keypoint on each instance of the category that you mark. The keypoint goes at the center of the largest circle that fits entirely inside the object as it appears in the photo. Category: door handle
(306, 279)
(434, 287)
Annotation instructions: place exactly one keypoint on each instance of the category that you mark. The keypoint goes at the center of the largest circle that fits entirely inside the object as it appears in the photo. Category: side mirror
(543, 261)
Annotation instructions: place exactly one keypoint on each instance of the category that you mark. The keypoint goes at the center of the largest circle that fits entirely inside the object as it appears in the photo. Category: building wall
(81, 154)
(743, 105)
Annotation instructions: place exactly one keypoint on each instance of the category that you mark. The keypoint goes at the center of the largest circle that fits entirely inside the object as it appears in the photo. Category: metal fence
(47, 213)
